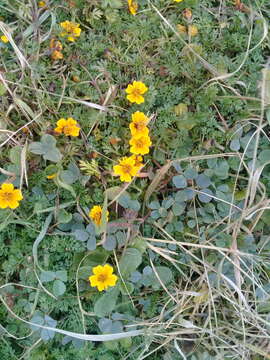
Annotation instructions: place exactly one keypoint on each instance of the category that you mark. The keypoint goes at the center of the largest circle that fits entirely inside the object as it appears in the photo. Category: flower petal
(7, 187)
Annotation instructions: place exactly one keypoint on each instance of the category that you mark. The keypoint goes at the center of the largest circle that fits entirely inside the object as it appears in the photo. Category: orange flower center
(139, 125)
(140, 143)
(97, 217)
(126, 168)
(7, 196)
(136, 92)
(102, 277)
(70, 28)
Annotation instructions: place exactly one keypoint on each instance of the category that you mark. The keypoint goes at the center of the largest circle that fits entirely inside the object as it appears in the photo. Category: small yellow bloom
(4, 39)
(126, 168)
(57, 55)
(56, 45)
(181, 28)
(42, 4)
(95, 214)
(103, 277)
(68, 127)
(135, 92)
(138, 160)
(9, 197)
(71, 30)
(56, 48)
(178, 0)
(140, 145)
(52, 176)
(192, 30)
(138, 126)
(133, 7)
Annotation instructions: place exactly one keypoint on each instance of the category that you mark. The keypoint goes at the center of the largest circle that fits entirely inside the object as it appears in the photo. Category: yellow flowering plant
(4, 39)
(42, 4)
(126, 168)
(95, 214)
(68, 127)
(140, 145)
(9, 196)
(138, 126)
(103, 277)
(133, 7)
(56, 48)
(71, 30)
(135, 92)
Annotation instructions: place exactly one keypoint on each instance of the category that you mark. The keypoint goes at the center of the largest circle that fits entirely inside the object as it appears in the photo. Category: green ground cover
(179, 217)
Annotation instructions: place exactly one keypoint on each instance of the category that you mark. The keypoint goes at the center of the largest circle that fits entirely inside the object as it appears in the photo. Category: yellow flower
(95, 214)
(71, 30)
(57, 55)
(4, 39)
(51, 176)
(132, 6)
(138, 126)
(178, 0)
(181, 28)
(9, 197)
(192, 30)
(135, 92)
(140, 145)
(41, 4)
(56, 48)
(68, 127)
(126, 168)
(103, 277)
(138, 160)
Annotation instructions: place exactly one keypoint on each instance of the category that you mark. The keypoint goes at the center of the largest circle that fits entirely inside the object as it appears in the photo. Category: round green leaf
(58, 288)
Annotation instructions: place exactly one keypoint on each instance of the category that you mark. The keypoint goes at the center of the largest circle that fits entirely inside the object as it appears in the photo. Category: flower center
(140, 144)
(139, 125)
(136, 92)
(7, 196)
(102, 277)
(126, 168)
(70, 28)
(97, 217)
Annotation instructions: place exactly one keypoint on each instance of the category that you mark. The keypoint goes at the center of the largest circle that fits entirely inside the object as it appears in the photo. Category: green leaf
(58, 288)
(65, 186)
(81, 235)
(106, 303)
(264, 156)
(179, 181)
(15, 155)
(178, 208)
(36, 148)
(64, 217)
(91, 243)
(165, 275)
(140, 244)
(110, 243)
(46, 147)
(129, 261)
(126, 288)
(47, 276)
(53, 155)
(61, 275)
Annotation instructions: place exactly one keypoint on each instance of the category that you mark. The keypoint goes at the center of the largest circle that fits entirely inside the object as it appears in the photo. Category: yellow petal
(112, 280)
(18, 194)
(108, 268)
(7, 187)
(13, 204)
(97, 269)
